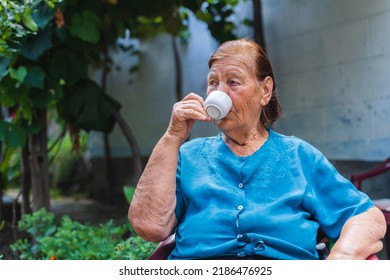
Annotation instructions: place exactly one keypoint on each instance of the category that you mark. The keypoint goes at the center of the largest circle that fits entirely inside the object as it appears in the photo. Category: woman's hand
(360, 237)
(184, 115)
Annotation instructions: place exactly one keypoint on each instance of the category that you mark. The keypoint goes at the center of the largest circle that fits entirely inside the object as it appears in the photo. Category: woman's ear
(267, 88)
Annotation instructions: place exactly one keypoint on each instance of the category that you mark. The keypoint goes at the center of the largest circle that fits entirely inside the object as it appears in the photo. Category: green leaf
(89, 107)
(3, 130)
(13, 135)
(35, 77)
(129, 193)
(43, 14)
(203, 16)
(40, 98)
(71, 106)
(17, 137)
(25, 110)
(11, 92)
(86, 26)
(248, 22)
(36, 45)
(232, 2)
(50, 231)
(6, 86)
(55, 88)
(29, 22)
(7, 157)
(33, 128)
(4, 63)
(62, 34)
(35, 249)
(19, 74)
(68, 65)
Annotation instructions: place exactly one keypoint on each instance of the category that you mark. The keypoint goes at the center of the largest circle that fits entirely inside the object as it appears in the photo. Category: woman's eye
(213, 83)
(233, 83)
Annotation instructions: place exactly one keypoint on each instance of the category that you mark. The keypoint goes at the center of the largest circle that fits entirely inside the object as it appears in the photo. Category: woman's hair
(242, 48)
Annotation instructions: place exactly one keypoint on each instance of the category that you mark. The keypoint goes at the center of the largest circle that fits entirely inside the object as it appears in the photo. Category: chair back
(359, 177)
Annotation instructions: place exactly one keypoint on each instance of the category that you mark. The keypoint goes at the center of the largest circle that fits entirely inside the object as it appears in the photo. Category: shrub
(67, 239)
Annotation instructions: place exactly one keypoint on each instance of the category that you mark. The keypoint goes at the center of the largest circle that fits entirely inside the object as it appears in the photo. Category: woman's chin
(223, 123)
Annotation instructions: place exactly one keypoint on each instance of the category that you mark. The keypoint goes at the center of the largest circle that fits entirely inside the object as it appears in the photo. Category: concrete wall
(331, 60)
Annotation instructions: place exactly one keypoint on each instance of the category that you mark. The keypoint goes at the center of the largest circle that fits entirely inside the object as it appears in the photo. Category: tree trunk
(26, 180)
(39, 166)
(178, 70)
(1, 198)
(136, 152)
(2, 185)
(109, 168)
(258, 23)
(111, 182)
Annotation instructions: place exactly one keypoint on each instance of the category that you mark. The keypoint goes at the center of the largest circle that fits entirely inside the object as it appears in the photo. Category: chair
(382, 204)
(166, 246)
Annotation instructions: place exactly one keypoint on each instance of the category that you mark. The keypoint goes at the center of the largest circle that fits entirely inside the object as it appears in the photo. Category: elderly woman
(248, 192)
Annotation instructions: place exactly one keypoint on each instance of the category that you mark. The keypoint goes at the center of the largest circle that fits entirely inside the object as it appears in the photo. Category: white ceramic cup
(218, 104)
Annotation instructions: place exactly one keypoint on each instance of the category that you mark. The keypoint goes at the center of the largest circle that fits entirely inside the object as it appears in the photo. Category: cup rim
(216, 107)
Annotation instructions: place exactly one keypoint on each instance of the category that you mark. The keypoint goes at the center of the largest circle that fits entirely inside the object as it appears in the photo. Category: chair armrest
(373, 258)
(164, 249)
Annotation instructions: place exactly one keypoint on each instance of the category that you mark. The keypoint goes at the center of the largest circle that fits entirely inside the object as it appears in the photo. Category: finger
(194, 96)
(190, 104)
(188, 112)
(197, 107)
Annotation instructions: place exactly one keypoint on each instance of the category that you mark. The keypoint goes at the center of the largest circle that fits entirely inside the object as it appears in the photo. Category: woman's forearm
(151, 212)
(360, 237)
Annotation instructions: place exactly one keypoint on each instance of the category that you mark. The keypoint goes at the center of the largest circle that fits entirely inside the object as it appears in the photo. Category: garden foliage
(66, 239)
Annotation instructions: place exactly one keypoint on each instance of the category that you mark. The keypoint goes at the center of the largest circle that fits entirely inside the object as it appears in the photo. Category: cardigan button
(242, 237)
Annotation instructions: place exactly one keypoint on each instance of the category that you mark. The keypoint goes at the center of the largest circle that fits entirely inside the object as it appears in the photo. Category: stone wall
(331, 61)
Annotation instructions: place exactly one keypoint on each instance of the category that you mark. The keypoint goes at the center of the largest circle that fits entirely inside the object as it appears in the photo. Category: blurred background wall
(332, 61)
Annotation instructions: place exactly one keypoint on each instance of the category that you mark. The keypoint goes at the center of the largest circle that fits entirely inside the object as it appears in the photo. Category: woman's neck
(245, 143)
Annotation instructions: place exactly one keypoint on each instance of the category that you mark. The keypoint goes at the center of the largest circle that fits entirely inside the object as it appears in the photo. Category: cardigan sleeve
(179, 210)
(331, 198)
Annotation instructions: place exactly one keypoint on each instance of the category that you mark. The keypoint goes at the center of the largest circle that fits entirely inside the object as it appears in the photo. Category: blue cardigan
(270, 203)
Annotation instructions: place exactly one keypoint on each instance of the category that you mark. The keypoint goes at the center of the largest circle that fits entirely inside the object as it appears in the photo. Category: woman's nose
(223, 87)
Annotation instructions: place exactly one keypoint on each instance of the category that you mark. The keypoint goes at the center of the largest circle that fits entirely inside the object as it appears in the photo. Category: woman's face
(237, 79)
